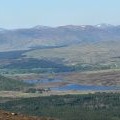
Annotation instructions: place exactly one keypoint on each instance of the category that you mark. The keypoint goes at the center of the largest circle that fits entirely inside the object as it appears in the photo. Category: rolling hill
(43, 36)
(60, 49)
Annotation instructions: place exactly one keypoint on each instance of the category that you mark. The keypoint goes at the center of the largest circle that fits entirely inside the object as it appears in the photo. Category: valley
(61, 71)
(59, 60)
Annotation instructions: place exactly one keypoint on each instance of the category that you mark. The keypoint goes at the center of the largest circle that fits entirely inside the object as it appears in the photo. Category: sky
(28, 13)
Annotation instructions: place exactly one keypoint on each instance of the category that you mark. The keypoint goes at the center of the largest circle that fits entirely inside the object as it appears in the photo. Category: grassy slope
(81, 57)
(105, 54)
(10, 84)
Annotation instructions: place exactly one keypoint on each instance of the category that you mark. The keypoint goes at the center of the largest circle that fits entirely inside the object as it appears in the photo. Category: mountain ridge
(45, 36)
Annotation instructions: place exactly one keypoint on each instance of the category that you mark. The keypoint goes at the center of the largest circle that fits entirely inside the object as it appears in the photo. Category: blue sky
(28, 13)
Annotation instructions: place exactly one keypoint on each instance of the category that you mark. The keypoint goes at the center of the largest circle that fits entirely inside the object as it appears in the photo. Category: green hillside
(7, 84)
(81, 57)
(97, 56)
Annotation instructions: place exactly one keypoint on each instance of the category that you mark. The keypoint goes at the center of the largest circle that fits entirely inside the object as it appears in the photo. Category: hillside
(92, 56)
(82, 57)
(43, 36)
(7, 84)
(79, 53)
(43, 49)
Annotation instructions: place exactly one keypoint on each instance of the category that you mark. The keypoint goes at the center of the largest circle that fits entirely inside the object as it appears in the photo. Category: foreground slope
(99, 106)
(13, 116)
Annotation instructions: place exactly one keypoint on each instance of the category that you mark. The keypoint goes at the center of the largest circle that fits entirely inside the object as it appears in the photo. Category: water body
(85, 87)
(72, 86)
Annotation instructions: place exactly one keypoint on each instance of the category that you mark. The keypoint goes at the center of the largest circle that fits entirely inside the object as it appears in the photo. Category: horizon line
(48, 26)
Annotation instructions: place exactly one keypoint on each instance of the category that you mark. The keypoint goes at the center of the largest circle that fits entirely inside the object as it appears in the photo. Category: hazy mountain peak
(68, 26)
(41, 27)
(75, 27)
(24, 39)
(104, 25)
(2, 29)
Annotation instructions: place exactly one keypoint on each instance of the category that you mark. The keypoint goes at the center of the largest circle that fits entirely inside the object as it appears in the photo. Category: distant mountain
(103, 25)
(44, 36)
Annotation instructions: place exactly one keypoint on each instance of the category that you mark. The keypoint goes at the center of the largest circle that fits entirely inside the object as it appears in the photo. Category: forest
(98, 106)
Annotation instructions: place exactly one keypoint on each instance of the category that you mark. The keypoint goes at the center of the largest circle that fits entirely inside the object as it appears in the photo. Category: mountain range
(44, 36)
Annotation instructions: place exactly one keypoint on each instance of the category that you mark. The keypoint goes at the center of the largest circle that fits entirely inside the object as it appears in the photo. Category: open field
(103, 77)
(17, 95)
